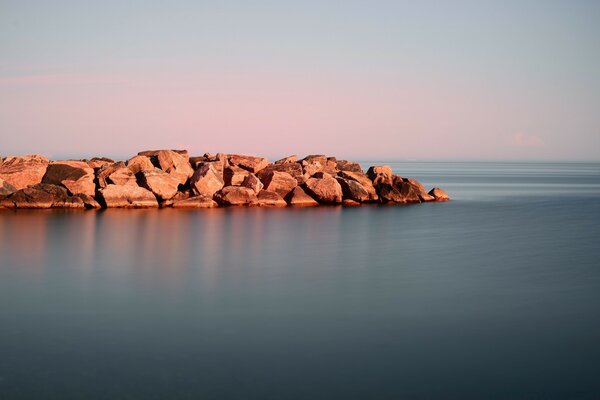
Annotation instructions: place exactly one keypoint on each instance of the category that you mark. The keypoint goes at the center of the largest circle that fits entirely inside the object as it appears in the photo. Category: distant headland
(171, 178)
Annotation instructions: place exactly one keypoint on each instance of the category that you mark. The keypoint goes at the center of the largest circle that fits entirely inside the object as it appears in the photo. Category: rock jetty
(171, 178)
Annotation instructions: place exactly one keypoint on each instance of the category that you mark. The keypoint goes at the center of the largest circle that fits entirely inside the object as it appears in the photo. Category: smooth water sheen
(494, 295)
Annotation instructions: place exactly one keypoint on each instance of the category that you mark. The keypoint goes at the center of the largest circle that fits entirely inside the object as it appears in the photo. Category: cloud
(521, 139)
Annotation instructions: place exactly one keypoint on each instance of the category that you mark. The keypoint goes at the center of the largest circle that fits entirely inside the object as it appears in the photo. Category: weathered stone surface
(345, 165)
(299, 198)
(350, 203)
(324, 188)
(271, 199)
(288, 160)
(6, 188)
(353, 190)
(439, 194)
(196, 162)
(128, 196)
(294, 169)
(99, 162)
(162, 184)
(76, 176)
(139, 163)
(250, 163)
(398, 192)
(252, 182)
(418, 186)
(380, 173)
(116, 173)
(200, 201)
(24, 171)
(154, 153)
(234, 175)
(318, 163)
(281, 183)
(88, 201)
(236, 196)
(30, 197)
(206, 180)
(409, 192)
(175, 164)
(363, 180)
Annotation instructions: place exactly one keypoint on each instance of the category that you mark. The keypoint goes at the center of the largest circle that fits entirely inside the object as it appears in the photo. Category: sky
(389, 80)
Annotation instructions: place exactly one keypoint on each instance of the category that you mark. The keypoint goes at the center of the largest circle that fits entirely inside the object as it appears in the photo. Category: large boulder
(6, 188)
(154, 153)
(281, 183)
(380, 173)
(294, 169)
(439, 195)
(352, 190)
(21, 172)
(236, 196)
(98, 162)
(299, 198)
(397, 192)
(234, 176)
(287, 160)
(324, 188)
(249, 163)
(200, 201)
(76, 176)
(116, 173)
(30, 197)
(418, 186)
(128, 196)
(271, 199)
(175, 164)
(206, 180)
(345, 165)
(139, 163)
(162, 184)
(251, 181)
(364, 181)
(318, 163)
(410, 193)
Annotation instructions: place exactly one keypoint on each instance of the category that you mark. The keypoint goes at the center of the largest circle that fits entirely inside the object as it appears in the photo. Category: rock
(363, 180)
(206, 180)
(398, 192)
(439, 195)
(381, 173)
(99, 162)
(352, 190)
(281, 183)
(175, 164)
(76, 176)
(154, 153)
(162, 184)
(116, 173)
(196, 162)
(299, 198)
(21, 172)
(139, 163)
(293, 169)
(272, 199)
(30, 197)
(418, 186)
(250, 163)
(200, 201)
(318, 163)
(6, 188)
(324, 188)
(408, 191)
(236, 196)
(350, 203)
(128, 196)
(345, 165)
(234, 176)
(88, 201)
(252, 182)
(287, 160)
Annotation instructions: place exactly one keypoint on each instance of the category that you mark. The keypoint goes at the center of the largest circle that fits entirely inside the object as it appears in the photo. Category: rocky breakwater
(171, 178)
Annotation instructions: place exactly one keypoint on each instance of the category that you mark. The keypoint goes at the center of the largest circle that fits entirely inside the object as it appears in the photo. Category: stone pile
(170, 178)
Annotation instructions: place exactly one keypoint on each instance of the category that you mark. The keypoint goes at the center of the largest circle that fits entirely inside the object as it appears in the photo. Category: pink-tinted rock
(162, 184)
(6, 188)
(398, 192)
(99, 162)
(439, 195)
(21, 172)
(345, 165)
(128, 196)
(236, 196)
(116, 173)
(175, 164)
(196, 162)
(252, 182)
(293, 169)
(234, 176)
(30, 197)
(363, 180)
(271, 199)
(353, 190)
(324, 188)
(206, 180)
(154, 153)
(380, 173)
(139, 163)
(299, 198)
(318, 163)
(287, 160)
(76, 176)
(281, 183)
(350, 203)
(200, 201)
(249, 163)
(423, 195)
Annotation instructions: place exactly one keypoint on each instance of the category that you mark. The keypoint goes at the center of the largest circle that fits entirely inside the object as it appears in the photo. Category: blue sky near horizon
(475, 80)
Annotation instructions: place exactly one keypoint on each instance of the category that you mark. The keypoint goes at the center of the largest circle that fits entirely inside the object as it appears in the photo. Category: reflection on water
(468, 299)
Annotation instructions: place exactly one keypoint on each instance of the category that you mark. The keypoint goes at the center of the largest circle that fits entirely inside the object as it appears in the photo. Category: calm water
(495, 294)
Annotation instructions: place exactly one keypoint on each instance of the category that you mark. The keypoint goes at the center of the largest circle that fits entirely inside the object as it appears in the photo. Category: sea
(492, 295)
